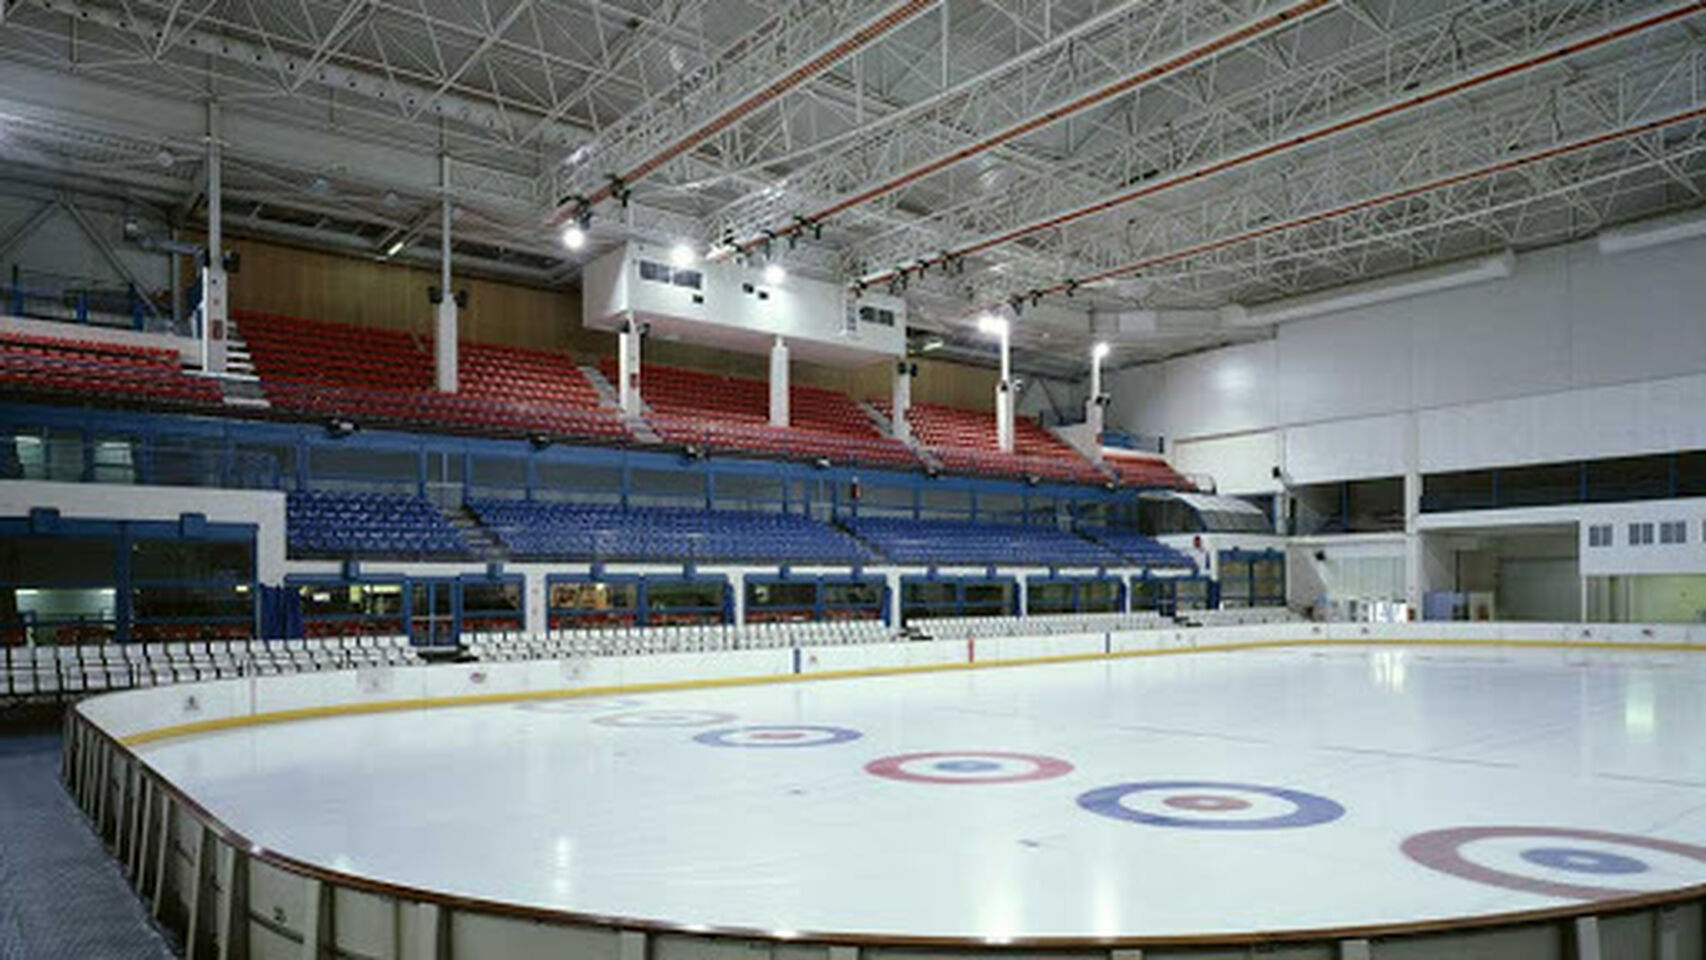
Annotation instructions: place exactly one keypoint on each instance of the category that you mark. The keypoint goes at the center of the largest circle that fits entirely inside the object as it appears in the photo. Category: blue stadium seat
(1140, 550)
(364, 524)
(945, 542)
(607, 532)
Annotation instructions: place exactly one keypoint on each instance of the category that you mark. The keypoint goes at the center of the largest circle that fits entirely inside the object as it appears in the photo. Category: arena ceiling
(1074, 159)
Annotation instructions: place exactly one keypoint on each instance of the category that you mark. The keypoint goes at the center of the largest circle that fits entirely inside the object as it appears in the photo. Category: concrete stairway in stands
(886, 427)
(608, 396)
(481, 541)
(240, 384)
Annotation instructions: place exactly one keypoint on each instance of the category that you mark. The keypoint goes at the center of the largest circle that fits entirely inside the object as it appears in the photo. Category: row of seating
(321, 370)
(102, 348)
(952, 542)
(1238, 617)
(630, 641)
(1139, 549)
(119, 375)
(369, 524)
(540, 529)
(729, 413)
(964, 441)
(1054, 624)
(56, 671)
(1140, 471)
(385, 377)
(28, 673)
(713, 435)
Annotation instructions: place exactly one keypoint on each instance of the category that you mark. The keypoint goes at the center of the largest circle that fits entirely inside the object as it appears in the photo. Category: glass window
(594, 596)
(797, 594)
(33, 560)
(574, 482)
(988, 597)
(930, 593)
(499, 473)
(504, 597)
(1050, 596)
(668, 487)
(355, 599)
(114, 460)
(192, 560)
(1190, 594)
(231, 600)
(862, 593)
(679, 594)
(1099, 596)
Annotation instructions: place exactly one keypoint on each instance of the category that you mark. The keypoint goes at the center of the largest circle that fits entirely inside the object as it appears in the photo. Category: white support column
(1095, 412)
(1414, 573)
(901, 400)
(628, 366)
(215, 297)
(779, 383)
(737, 583)
(444, 330)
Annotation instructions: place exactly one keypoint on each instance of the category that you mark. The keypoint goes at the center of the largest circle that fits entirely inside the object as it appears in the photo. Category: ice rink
(1145, 797)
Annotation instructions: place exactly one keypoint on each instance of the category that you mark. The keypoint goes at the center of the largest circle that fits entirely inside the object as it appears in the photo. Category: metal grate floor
(61, 895)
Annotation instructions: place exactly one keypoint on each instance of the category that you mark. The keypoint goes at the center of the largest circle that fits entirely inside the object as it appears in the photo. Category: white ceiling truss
(1083, 155)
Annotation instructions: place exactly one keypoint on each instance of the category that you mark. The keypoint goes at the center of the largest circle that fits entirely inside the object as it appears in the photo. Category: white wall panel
(1346, 449)
(1239, 464)
(1578, 355)
(1505, 338)
(1623, 420)
(1343, 365)
(1638, 315)
(1223, 391)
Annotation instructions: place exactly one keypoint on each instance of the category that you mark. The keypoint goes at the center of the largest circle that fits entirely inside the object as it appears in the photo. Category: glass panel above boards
(791, 601)
(1051, 596)
(185, 560)
(674, 602)
(584, 604)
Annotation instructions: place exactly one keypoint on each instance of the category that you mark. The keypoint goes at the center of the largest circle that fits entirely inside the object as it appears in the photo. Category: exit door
(435, 613)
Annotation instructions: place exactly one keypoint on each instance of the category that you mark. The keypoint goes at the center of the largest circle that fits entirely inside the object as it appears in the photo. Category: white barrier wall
(138, 711)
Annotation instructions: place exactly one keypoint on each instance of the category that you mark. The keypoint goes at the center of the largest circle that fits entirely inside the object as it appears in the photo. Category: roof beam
(1147, 73)
(653, 135)
(1621, 30)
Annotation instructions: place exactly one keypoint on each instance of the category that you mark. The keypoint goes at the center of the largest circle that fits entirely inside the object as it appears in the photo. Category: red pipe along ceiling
(1553, 55)
(1441, 183)
(862, 37)
(1173, 64)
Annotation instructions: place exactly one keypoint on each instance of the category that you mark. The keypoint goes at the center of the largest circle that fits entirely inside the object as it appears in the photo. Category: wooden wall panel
(292, 281)
(306, 283)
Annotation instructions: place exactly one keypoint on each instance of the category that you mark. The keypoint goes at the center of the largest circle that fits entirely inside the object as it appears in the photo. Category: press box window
(1640, 534)
(876, 316)
(1673, 531)
(1599, 535)
(664, 273)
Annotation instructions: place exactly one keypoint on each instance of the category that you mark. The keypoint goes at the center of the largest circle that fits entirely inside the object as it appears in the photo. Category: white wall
(103, 501)
(809, 313)
(1576, 356)
(1622, 558)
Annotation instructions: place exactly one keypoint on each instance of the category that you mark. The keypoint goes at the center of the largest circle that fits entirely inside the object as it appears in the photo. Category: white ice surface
(551, 809)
